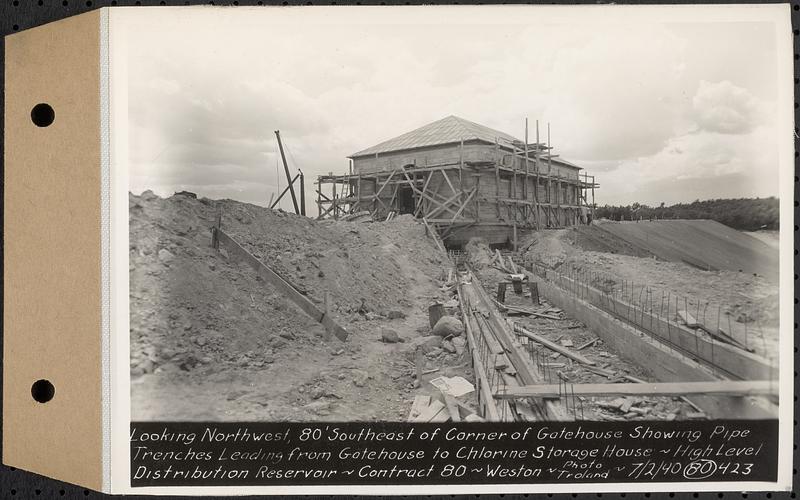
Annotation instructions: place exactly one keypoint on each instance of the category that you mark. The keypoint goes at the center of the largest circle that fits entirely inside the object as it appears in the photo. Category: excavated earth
(741, 297)
(210, 340)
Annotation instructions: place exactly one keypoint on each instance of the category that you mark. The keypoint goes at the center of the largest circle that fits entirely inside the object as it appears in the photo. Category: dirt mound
(479, 255)
(209, 338)
(704, 244)
(594, 238)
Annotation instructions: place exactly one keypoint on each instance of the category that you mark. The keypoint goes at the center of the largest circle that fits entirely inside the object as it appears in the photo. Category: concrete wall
(661, 363)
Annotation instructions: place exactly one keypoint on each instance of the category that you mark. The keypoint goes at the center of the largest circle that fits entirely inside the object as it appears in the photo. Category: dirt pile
(479, 255)
(209, 338)
(742, 296)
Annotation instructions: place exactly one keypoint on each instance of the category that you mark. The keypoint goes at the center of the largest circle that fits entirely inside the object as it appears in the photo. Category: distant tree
(747, 214)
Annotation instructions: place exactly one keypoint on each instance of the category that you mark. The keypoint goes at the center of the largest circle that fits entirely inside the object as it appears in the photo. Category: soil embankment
(212, 341)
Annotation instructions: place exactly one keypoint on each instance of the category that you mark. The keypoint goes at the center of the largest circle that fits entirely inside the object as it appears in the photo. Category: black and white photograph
(469, 222)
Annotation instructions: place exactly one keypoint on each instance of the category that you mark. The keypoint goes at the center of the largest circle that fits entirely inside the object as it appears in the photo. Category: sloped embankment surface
(704, 244)
(210, 340)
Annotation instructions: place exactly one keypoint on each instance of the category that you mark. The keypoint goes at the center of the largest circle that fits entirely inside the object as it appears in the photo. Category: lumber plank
(452, 408)
(677, 389)
(421, 401)
(522, 310)
(430, 412)
(553, 346)
(484, 392)
(505, 337)
(486, 332)
(236, 251)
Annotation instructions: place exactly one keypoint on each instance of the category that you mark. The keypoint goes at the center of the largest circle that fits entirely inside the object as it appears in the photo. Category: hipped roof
(448, 130)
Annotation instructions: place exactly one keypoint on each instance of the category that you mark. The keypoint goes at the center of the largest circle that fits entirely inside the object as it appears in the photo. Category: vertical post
(549, 170)
(286, 170)
(501, 292)
(319, 196)
(497, 176)
(460, 169)
(335, 205)
(515, 228)
(536, 188)
(217, 227)
(326, 312)
(302, 194)
(534, 288)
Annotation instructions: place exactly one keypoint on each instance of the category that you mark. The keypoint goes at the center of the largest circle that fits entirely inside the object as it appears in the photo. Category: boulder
(458, 343)
(449, 347)
(425, 344)
(390, 336)
(396, 315)
(165, 255)
(360, 377)
(448, 326)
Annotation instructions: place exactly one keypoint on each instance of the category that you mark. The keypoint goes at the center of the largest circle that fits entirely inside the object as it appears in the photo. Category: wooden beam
(487, 403)
(741, 388)
(553, 346)
(235, 251)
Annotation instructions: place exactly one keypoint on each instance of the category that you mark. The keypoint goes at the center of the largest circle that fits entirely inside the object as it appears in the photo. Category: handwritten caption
(206, 454)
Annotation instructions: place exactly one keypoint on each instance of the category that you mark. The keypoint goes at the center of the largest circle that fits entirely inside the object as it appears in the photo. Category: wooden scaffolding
(512, 185)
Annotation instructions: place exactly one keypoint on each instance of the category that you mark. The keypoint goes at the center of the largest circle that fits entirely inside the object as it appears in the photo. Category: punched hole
(43, 391)
(42, 115)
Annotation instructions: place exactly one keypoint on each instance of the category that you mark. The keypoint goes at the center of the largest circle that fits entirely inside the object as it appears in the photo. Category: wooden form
(660, 361)
(677, 389)
(235, 251)
(553, 346)
(482, 189)
(525, 372)
(724, 357)
(486, 404)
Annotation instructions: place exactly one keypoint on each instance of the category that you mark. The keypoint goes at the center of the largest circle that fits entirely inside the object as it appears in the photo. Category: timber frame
(462, 196)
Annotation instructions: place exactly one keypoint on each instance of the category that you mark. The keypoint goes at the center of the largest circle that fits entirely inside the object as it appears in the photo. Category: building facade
(464, 180)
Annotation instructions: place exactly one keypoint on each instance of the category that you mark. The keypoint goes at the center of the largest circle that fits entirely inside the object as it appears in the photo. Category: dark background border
(16, 15)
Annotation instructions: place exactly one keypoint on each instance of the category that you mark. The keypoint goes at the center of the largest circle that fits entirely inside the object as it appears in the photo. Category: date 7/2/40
(699, 469)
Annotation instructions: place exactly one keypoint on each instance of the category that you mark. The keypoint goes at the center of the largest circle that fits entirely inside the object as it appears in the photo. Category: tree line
(745, 214)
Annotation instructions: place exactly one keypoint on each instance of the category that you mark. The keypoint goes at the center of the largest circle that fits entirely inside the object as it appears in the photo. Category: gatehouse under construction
(465, 180)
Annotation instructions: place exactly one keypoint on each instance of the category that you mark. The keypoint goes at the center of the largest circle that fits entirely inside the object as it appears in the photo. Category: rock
(286, 334)
(318, 407)
(396, 315)
(317, 392)
(317, 330)
(201, 341)
(434, 352)
(447, 326)
(188, 363)
(426, 344)
(449, 347)
(165, 256)
(276, 342)
(459, 344)
(360, 377)
(370, 316)
(389, 336)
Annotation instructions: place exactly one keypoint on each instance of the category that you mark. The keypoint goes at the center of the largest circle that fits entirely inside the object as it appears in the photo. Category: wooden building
(465, 180)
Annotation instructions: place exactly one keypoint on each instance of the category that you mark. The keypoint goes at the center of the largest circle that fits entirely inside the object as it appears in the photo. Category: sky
(658, 111)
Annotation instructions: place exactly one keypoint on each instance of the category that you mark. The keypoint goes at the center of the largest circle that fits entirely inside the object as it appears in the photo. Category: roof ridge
(447, 130)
